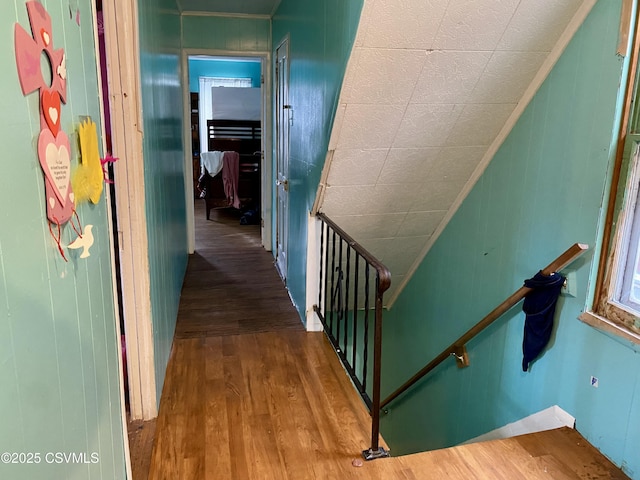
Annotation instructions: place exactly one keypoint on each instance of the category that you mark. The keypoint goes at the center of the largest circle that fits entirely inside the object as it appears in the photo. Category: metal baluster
(365, 353)
(320, 278)
(339, 286)
(377, 364)
(333, 264)
(355, 311)
(326, 280)
(346, 302)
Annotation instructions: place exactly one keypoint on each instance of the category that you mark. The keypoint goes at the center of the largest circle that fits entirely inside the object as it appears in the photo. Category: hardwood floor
(141, 435)
(231, 286)
(251, 395)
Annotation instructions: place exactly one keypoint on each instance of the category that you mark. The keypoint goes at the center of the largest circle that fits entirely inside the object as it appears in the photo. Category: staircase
(555, 454)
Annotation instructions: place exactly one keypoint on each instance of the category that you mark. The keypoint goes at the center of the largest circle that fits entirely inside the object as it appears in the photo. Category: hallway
(248, 393)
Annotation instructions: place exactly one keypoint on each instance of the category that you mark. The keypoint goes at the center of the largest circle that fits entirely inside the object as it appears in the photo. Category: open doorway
(226, 100)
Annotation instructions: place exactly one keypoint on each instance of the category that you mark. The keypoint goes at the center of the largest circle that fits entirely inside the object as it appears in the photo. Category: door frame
(266, 170)
(282, 267)
(122, 49)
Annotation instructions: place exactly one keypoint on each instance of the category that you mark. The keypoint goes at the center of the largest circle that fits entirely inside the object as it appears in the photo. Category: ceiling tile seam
(378, 182)
(415, 85)
(509, 22)
(395, 134)
(475, 85)
(395, 237)
(429, 51)
(444, 15)
(386, 157)
(404, 113)
(399, 104)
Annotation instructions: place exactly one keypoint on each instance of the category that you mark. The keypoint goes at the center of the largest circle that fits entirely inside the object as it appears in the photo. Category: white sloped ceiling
(431, 90)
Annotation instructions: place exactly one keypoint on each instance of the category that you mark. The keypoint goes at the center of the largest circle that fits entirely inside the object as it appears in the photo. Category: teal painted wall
(199, 67)
(321, 35)
(164, 170)
(226, 33)
(58, 343)
(542, 192)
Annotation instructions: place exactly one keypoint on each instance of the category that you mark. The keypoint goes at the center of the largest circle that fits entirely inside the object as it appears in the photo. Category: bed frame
(244, 137)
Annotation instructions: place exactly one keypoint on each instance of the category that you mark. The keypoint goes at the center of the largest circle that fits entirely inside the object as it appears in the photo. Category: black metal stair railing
(352, 283)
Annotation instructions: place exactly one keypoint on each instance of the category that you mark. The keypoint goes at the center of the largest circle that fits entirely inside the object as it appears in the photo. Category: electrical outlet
(594, 381)
(570, 288)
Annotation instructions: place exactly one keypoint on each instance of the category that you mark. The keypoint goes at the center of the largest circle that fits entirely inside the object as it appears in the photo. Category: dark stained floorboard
(232, 286)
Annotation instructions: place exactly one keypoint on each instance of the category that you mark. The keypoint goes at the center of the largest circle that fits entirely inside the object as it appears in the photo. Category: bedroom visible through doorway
(226, 100)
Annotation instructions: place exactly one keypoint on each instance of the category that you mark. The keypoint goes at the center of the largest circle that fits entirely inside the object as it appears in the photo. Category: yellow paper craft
(88, 178)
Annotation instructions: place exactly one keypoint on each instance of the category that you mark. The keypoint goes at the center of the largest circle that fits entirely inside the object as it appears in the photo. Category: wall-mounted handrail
(458, 348)
(340, 277)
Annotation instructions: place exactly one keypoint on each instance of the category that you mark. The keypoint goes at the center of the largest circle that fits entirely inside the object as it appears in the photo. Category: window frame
(607, 314)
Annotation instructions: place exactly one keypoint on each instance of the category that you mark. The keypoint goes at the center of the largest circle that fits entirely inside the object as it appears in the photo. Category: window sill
(607, 326)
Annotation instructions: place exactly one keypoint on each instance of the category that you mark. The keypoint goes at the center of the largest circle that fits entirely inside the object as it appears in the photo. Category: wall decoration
(88, 178)
(84, 241)
(54, 151)
(105, 166)
(51, 110)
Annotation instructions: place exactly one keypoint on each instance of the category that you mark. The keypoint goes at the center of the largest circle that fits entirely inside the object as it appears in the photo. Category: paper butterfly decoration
(54, 150)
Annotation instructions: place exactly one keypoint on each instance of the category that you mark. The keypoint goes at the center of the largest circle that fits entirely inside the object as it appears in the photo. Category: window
(617, 297)
(622, 302)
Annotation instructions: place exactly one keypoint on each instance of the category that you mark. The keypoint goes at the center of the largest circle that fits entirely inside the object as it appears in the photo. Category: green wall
(542, 192)
(202, 67)
(58, 344)
(164, 169)
(321, 35)
(226, 34)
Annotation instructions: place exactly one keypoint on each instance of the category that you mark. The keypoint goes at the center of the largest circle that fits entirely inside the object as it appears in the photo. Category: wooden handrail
(457, 348)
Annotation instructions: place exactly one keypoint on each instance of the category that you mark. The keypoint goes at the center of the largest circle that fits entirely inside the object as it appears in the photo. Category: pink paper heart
(51, 110)
(54, 154)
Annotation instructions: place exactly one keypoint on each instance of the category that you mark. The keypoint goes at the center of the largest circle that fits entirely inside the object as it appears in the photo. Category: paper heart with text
(54, 152)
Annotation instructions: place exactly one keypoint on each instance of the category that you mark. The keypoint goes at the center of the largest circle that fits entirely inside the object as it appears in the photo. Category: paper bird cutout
(84, 241)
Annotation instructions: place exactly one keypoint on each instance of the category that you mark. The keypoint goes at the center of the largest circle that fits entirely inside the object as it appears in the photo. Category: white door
(283, 110)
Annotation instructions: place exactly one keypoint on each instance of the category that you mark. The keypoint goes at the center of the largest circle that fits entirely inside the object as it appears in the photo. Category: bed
(245, 138)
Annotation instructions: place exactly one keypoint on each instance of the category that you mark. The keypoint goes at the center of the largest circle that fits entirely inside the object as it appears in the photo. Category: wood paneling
(226, 33)
(162, 109)
(59, 371)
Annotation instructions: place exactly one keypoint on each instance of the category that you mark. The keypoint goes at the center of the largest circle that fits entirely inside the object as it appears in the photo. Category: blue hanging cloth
(539, 307)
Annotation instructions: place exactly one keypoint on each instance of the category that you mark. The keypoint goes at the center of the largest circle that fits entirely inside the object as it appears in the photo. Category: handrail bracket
(461, 356)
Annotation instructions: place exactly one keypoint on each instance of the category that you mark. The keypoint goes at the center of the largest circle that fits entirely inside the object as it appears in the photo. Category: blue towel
(539, 306)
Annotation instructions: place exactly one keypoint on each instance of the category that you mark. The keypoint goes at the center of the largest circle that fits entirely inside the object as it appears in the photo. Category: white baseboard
(548, 419)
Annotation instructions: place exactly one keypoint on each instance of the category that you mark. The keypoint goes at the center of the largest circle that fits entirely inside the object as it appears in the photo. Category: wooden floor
(231, 286)
(141, 435)
(251, 396)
